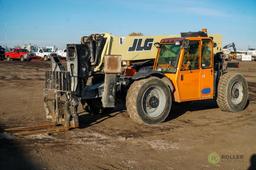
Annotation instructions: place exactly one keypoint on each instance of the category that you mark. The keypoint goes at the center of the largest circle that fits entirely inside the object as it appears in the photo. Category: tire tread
(222, 98)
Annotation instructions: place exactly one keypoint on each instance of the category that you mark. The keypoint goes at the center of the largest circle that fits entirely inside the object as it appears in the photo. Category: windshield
(21, 50)
(168, 57)
(47, 50)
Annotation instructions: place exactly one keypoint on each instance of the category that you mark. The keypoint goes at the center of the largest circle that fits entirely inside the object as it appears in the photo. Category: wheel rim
(237, 93)
(153, 101)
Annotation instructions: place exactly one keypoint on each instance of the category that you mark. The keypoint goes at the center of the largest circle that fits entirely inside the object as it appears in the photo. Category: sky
(58, 22)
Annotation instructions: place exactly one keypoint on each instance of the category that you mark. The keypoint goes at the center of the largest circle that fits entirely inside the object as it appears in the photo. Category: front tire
(232, 92)
(148, 101)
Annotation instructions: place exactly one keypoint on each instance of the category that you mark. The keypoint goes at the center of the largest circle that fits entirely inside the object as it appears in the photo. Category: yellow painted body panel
(122, 49)
(188, 85)
(217, 38)
(119, 45)
(189, 88)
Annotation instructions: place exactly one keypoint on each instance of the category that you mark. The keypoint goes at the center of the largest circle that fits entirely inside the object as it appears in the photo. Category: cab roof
(172, 40)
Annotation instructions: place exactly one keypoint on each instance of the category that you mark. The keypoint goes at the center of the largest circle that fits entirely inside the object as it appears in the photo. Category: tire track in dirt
(106, 137)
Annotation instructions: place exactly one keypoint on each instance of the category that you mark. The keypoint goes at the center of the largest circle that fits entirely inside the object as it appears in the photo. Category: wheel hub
(237, 93)
(154, 102)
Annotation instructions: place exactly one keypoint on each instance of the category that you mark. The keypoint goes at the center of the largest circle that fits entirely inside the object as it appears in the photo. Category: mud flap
(108, 96)
(112, 67)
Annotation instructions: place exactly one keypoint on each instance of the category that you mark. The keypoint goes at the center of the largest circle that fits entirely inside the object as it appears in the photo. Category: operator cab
(188, 63)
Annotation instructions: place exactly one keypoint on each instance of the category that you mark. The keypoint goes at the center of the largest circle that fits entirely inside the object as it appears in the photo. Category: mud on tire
(148, 101)
(232, 92)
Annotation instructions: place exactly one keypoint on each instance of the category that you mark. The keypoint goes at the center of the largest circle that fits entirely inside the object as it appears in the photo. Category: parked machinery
(105, 71)
(2, 52)
(230, 52)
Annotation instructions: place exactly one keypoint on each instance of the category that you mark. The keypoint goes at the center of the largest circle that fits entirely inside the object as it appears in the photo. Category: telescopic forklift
(148, 74)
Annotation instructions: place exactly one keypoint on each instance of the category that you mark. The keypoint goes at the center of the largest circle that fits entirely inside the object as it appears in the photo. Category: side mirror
(157, 45)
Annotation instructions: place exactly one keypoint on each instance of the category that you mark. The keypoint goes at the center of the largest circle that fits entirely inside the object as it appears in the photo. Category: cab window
(206, 53)
(191, 56)
(169, 54)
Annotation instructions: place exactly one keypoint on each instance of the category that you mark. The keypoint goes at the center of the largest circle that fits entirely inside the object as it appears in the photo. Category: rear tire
(148, 101)
(232, 92)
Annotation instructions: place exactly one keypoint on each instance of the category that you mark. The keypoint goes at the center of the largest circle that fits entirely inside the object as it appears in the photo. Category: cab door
(188, 81)
(207, 72)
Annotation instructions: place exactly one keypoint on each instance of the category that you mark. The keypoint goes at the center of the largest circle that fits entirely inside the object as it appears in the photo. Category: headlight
(159, 69)
(125, 63)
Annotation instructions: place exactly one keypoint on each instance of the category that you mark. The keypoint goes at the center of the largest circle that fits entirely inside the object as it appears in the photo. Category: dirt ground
(192, 132)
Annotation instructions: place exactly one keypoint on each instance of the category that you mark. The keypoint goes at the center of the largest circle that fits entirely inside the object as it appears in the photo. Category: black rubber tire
(134, 101)
(224, 97)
